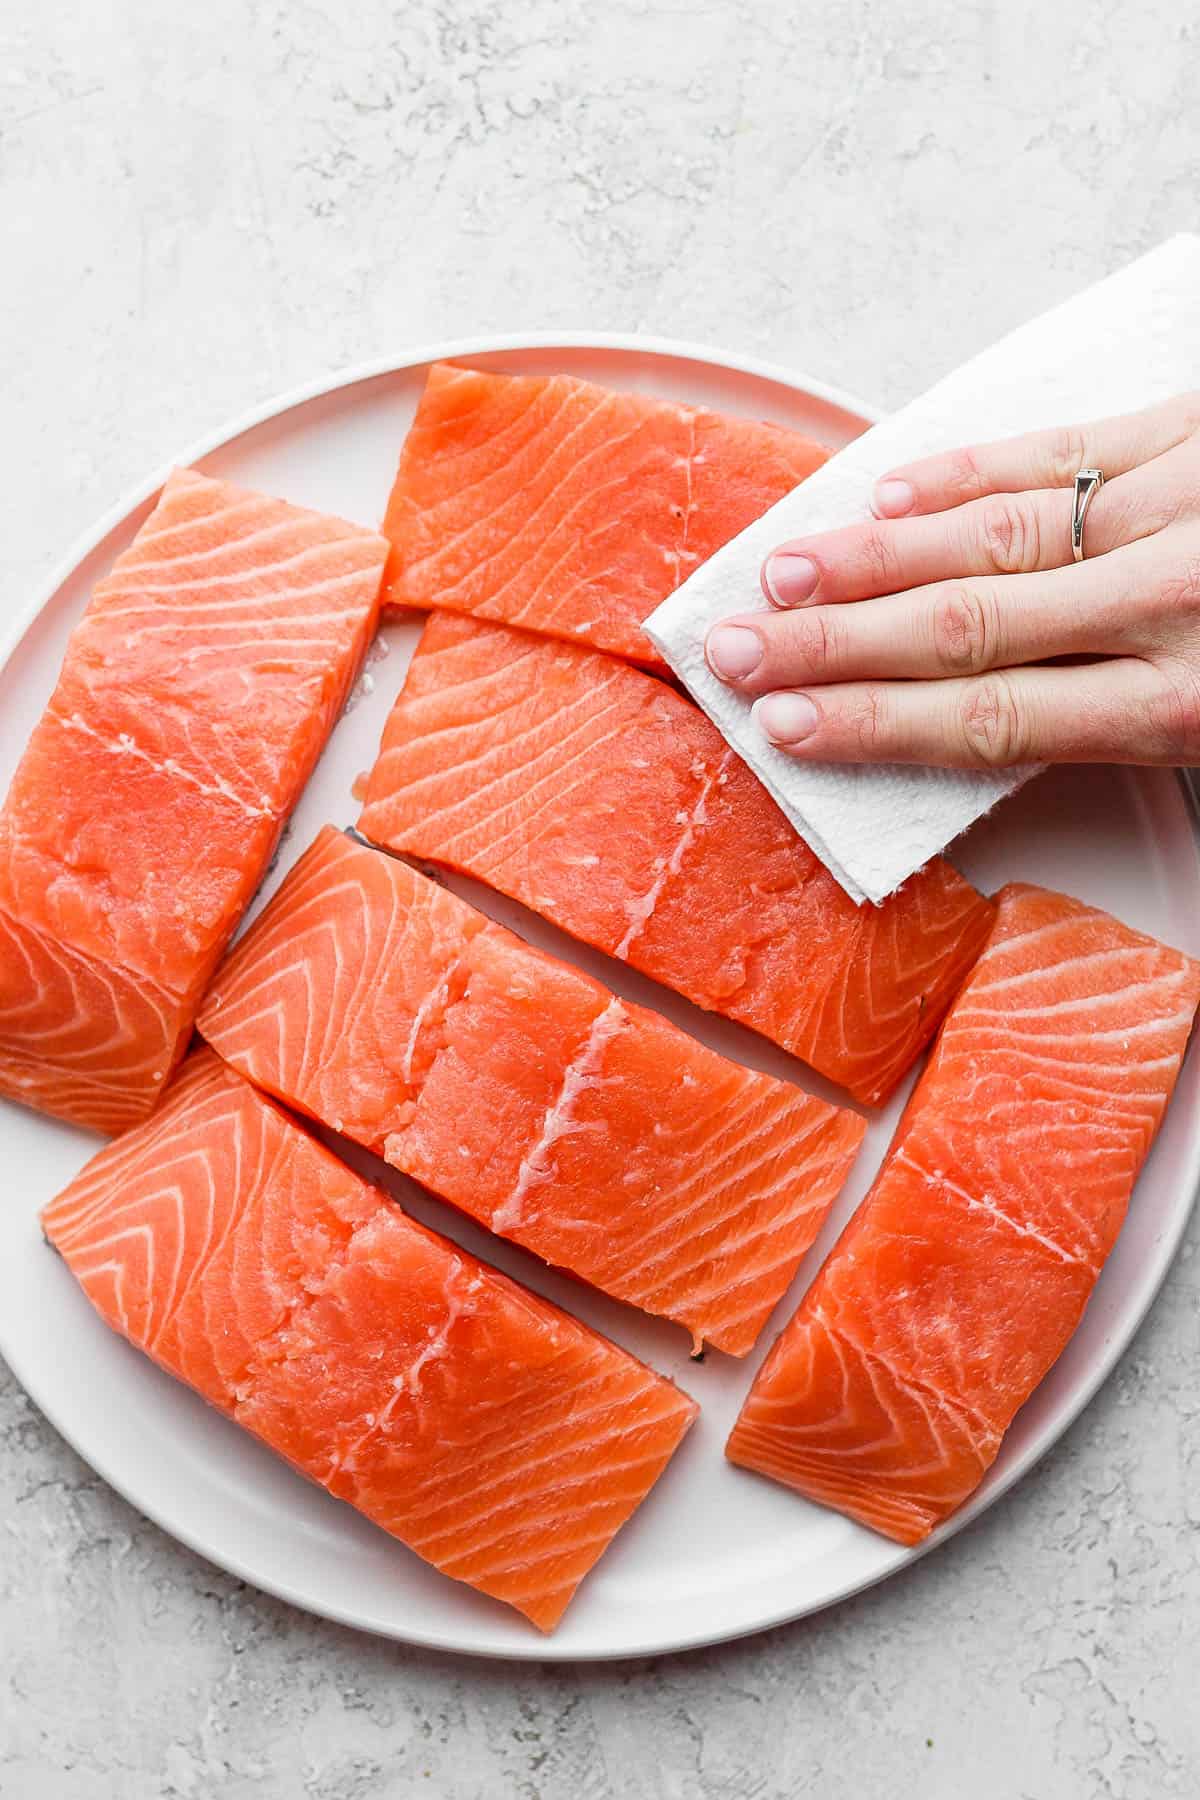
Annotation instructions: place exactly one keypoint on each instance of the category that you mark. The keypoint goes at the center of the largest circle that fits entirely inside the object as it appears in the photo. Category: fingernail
(733, 651)
(893, 498)
(790, 579)
(785, 718)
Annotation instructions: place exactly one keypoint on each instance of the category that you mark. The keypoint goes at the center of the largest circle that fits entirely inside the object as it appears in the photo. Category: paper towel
(1126, 343)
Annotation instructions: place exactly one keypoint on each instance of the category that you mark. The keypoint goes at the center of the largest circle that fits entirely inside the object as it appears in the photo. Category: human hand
(927, 635)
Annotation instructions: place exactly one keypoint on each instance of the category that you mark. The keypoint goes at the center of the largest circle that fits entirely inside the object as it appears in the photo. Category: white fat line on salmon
(449, 542)
(225, 546)
(936, 1178)
(433, 1007)
(806, 1181)
(457, 1303)
(640, 912)
(681, 553)
(186, 526)
(955, 1406)
(115, 978)
(601, 1418)
(1096, 1094)
(582, 1073)
(351, 545)
(1050, 968)
(996, 1019)
(125, 746)
(575, 469)
(250, 596)
(491, 1527)
(460, 1299)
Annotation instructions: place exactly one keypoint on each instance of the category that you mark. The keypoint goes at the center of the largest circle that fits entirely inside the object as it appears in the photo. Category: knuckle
(1180, 590)
(1009, 535)
(964, 631)
(1175, 712)
(814, 640)
(963, 473)
(1189, 410)
(992, 727)
(1066, 454)
(1122, 518)
(870, 724)
(880, 563)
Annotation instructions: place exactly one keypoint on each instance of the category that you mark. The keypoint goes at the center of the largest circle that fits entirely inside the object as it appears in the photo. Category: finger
(1107, 607)
(1123, 710)
(1004, 534)
(1041, 459)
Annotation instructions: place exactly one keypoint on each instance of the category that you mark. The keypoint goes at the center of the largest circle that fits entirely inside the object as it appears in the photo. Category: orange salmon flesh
(961, 1277)
(599, 797)
(500, 1440)
(589, 1130)
(555, 504)
(197, 692)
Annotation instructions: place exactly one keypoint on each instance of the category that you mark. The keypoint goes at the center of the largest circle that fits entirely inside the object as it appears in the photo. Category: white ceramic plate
(714, 1552)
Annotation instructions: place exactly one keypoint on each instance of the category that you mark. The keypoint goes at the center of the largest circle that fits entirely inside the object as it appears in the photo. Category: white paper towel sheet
(1126, 343)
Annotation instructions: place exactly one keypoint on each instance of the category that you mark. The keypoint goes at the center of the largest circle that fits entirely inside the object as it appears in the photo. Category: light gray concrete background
(203, 204)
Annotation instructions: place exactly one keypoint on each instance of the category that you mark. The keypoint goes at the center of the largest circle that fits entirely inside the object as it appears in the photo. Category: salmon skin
(601, 798)
(964, 1272)
(588, 1130)
(197, 692)
(558, 505)
(501, 1440)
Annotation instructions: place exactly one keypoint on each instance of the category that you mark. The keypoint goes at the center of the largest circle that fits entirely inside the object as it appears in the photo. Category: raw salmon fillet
(197, 692)
(964, 1272)
(499, 1439)
(601, 798)
(561, 506)
(589, 1130)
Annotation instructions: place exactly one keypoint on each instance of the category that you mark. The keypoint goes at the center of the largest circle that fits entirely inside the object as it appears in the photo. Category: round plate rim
(1155, 1269)
(372, 369)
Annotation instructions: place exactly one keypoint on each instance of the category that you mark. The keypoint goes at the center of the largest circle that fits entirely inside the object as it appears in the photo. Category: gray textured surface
(203, 204)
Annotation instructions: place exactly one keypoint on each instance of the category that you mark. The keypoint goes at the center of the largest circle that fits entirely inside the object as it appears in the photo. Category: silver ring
(1088, 483)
